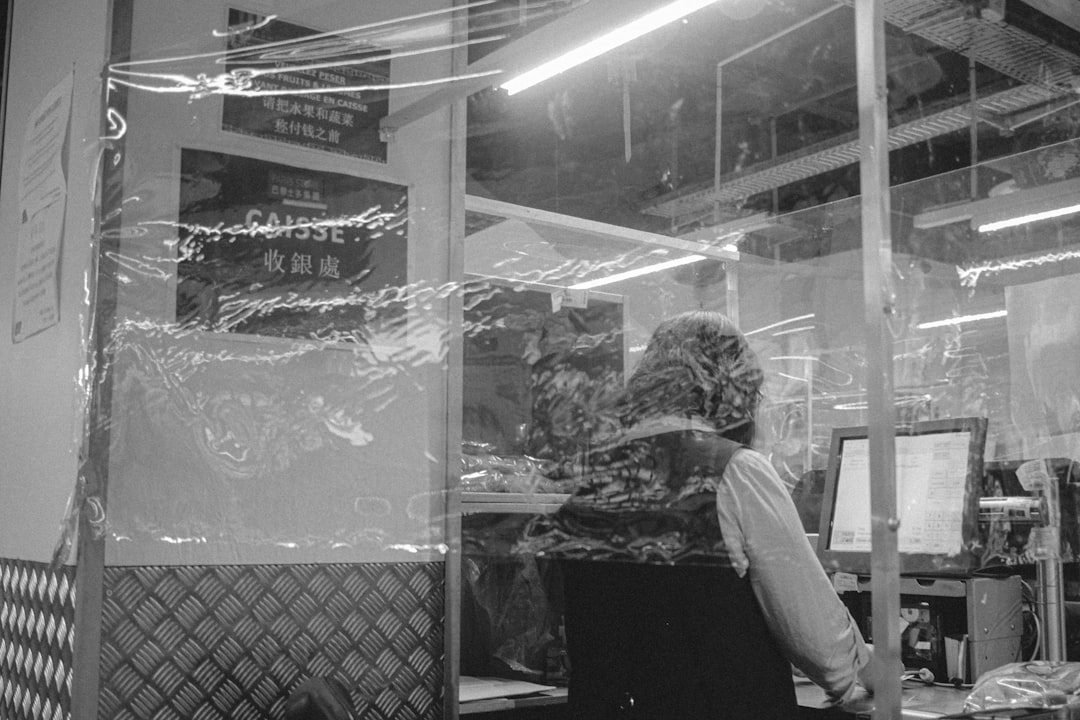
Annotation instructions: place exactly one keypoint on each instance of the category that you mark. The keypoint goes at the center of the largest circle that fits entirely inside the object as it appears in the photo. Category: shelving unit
(510, 503)
(500, 502)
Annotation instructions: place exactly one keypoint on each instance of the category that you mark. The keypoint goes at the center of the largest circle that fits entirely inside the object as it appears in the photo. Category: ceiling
(630, 139)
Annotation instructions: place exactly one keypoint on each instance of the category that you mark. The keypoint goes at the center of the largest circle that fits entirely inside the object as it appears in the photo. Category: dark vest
(684, 640)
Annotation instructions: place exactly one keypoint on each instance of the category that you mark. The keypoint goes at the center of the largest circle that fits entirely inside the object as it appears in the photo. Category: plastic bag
(513, 617)
(319, 698)
(1037, 684)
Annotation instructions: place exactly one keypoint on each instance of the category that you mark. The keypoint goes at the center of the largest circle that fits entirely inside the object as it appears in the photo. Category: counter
(918, 701)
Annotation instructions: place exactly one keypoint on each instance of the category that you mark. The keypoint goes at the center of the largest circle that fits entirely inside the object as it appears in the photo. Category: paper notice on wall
(42, 202)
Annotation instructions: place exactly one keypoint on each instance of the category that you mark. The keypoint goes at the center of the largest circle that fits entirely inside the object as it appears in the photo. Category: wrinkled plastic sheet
(1036, 684)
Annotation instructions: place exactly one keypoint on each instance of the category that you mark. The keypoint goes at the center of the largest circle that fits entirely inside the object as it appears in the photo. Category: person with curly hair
(690, 586)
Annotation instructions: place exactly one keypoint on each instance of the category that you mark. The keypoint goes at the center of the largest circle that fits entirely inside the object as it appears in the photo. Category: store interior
(355, 307)
(737, 132)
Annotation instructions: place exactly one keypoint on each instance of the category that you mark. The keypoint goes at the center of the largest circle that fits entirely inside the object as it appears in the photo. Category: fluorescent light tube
(962, 319)
(647, 270)
(1030, 218)
(1008, 210)
(598, 46)
(778, 324)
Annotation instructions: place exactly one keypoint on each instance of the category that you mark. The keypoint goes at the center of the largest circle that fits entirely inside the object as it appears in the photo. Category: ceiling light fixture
(1029, 218)
(647, 270)
(1024, 206)
(962, 319)
(668, 13)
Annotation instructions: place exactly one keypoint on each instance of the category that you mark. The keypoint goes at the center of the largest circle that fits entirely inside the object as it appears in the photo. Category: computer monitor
(938, 484)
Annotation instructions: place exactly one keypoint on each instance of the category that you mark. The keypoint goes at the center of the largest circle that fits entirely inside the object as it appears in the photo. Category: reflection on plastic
(1039, 684)
(95, 516)
(412, 35)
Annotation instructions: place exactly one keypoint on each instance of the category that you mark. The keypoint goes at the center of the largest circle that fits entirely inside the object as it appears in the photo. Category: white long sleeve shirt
(765, 537)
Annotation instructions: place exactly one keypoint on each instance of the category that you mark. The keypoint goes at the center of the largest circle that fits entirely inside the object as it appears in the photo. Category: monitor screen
(938, 484)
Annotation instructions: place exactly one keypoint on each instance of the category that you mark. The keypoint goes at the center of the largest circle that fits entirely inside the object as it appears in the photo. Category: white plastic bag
(1036, 684)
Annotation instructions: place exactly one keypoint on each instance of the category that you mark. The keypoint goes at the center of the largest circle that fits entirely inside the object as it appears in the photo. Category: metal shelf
(1050, 77)
(696, 203)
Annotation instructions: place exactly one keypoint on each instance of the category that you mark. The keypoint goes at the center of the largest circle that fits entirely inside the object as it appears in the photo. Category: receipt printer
(958, 628)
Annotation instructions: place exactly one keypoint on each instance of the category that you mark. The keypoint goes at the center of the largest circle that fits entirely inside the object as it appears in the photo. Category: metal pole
(878, 300)
(717, 151)
(1051, 608)
(973, 128)
(91, 494)
(773, 145)
(1049, 575)
(808, 371)
(453, 584)
(732, 292)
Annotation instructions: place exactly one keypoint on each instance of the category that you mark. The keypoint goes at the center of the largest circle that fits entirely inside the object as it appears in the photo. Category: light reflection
(319, 229)
(183, 541)
(139, 267)
(778, 324)
(663, 15)
(962, 319)
(1030, 218)
(440, 548)
(244, 27)
(117, 125)
(348, 47)
(648, 270)
(841, 378)
(969, 276)
(791, 331)
(900, 401)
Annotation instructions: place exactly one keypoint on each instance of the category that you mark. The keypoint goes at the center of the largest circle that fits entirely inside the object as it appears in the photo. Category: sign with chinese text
(299, 59)
(270, 249)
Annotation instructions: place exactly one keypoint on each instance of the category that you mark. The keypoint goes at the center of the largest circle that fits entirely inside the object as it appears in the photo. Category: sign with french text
(299, 78)
(275, 250)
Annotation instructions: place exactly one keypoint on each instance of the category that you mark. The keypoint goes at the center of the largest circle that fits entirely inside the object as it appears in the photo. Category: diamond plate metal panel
(210, 643)
(37, 611)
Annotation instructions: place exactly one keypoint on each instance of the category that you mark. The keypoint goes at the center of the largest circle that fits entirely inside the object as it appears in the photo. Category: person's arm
(762, 529)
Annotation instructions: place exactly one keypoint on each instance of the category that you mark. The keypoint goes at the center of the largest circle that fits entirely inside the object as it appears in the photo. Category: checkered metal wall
(229, 643)
(37, 612)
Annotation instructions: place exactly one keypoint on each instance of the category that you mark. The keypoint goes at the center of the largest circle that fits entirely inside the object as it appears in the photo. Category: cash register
(955, 623)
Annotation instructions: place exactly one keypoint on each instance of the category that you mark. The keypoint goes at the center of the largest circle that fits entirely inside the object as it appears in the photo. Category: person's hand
(866, 672)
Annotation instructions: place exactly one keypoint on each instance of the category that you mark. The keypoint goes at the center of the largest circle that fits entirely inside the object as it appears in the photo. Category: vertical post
(773, 149)
(91, 494)
(973, 127)
(1051, 607)
(1051, 581)
(731, 292)
(808, 371)
(452, 586)
(878, 300)
(717, 151)
(5, 68)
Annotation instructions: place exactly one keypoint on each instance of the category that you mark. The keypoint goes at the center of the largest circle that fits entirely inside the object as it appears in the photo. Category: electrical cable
(1038, 635)
(1034, 618)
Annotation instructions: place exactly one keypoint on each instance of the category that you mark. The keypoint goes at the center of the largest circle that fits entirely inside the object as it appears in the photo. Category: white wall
(41, 378)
